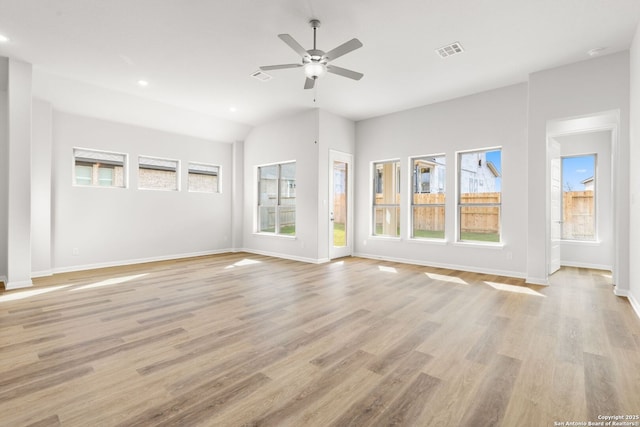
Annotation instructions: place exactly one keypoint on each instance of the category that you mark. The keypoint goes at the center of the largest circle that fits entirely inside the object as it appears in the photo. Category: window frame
(412, 192)
(278, 206)
(165, 159)
(375, 185)
(95, 163)
(460, 205)
(218, 188)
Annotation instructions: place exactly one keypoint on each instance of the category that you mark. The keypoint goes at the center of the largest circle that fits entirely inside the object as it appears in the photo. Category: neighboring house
(429, 175)
(477, 175)
(588, 184)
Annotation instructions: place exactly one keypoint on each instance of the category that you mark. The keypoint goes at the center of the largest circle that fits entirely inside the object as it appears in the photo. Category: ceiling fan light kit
(315, 61)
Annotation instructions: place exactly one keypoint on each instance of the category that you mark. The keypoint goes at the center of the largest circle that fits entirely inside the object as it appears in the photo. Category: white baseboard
(284, 256)
(43, 273)
(480, 270)
(635, 304)
(537, 281)
(137, 261)
(9, 286)
(585, 265)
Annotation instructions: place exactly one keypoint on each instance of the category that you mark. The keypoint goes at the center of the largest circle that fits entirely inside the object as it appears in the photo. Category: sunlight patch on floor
(444, 278)
(14, 296)
(387, 269)
(516, 289)
(243, 263)
(108, 282)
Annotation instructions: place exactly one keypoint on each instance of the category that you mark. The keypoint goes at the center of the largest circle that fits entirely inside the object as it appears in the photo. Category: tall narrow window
(480, 195)
(204, 178)
(99, 168)
(277, 199)
(428, 198)
(386, 199)
(578, 197)
(157, 174)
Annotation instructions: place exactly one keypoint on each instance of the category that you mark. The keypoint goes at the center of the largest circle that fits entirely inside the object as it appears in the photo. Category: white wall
(4, 168)
(579, 89)
(41, 143)
(489, 119)
(592, 254)
(634, 234)
(114, 226)
(290, 138)
(19, 175)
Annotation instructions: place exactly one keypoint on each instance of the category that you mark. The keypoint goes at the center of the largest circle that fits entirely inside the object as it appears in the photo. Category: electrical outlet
(75, 252)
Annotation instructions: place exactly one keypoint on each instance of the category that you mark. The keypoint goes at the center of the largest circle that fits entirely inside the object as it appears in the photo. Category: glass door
(340, 232)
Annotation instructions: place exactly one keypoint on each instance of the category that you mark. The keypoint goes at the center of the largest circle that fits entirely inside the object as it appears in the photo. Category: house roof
(197, 56)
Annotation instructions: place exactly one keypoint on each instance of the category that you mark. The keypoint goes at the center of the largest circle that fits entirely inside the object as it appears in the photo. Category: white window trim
(218, 190)
(178, 177)
(125, 167)
(411, 204)
(372, 200)
(256, 179)
(458, 205)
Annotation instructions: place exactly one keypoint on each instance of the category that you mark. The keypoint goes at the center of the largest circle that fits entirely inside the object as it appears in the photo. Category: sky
(495, 157)
(575, 170)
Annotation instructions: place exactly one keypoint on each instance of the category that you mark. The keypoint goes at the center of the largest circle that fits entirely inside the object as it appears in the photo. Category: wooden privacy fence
(577, 215)
(473, 219)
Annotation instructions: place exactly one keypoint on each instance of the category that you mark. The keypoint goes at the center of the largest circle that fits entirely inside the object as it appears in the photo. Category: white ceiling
(198, 54)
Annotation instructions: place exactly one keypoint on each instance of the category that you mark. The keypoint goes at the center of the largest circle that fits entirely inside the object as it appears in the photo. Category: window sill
(483, 245)
(280, 236)
(581, 242)
(441, 242)
(97, 186)
(387, 238)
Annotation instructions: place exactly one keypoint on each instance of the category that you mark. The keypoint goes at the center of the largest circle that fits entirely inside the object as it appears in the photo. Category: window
(277, 199)
(578, 197)
(428, 198)
(157, 174)
(99, 168)
(204, 178)
(386, 199)
(480, 195)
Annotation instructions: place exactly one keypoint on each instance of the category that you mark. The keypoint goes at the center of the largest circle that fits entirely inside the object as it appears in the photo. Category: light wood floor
(243, 340)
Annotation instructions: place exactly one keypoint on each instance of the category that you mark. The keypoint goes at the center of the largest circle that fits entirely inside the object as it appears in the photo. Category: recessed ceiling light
(596, 51)
(3, 38)
(233, 109)
(143, 83)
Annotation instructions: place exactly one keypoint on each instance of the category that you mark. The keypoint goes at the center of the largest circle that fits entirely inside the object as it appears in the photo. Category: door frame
(604, 121)
(334, 252)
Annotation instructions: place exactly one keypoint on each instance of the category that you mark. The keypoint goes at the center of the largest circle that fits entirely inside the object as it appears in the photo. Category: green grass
(428, 234)
(339, 235)
(289, 230)
(480, 237)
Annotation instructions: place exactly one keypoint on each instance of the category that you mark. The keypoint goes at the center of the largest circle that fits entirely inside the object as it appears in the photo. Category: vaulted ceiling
(198, 55)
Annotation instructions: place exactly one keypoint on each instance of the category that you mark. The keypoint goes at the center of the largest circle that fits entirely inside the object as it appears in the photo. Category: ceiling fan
(315, 61)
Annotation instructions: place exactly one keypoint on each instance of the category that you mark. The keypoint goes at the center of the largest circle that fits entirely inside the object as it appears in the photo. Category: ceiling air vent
(261, 75)
(450, 49)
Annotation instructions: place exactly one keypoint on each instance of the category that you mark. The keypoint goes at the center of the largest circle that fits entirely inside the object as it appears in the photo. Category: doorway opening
(581, 193)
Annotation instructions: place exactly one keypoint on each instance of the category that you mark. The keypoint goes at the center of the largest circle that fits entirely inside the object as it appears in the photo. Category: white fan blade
(279, 67)
(344, 72)
(343, 49)
(309, 83)
(293, 44)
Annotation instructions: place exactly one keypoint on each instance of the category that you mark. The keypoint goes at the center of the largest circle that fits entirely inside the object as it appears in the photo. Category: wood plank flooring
(247, 340)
